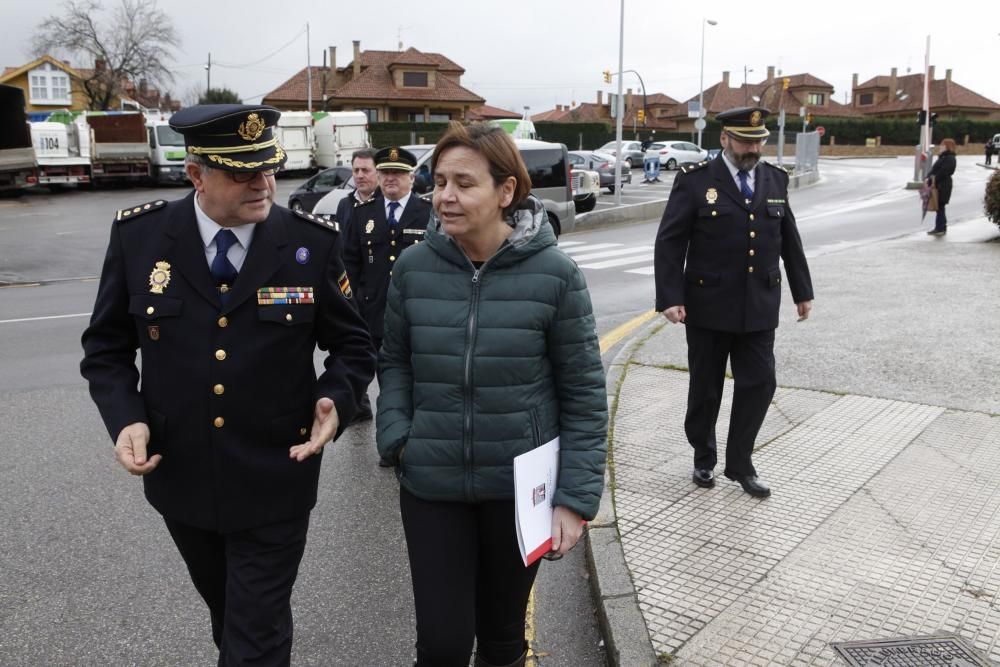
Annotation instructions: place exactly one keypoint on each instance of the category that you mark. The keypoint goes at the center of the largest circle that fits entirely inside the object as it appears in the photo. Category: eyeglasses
(247, 176)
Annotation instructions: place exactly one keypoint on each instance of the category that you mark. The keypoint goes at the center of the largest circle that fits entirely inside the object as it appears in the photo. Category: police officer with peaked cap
(226, 295)
(726, 226)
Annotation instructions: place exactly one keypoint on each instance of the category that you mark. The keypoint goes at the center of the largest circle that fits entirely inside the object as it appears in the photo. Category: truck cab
(62, 149)
(166, 148)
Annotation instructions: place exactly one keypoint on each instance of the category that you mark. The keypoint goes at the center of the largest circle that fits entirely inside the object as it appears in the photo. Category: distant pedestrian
(726, 226)
(489, 352)
(940, 177)
(990, 150)
(227, 295)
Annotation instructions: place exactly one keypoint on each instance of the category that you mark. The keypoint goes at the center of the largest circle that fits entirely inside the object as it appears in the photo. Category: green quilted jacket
(478, 366)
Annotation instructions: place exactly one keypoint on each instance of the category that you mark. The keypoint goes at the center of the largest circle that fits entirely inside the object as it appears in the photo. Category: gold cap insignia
(393, 155)
(369, 227)
(755, 119)
(711, 195)
(252, 128)
(159, 278)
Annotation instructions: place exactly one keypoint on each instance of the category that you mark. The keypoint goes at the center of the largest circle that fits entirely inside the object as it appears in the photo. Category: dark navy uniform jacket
(225, 389)
(719, 257)
(371, 250)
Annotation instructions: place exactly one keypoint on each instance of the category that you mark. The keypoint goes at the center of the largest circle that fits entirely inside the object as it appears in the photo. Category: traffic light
(607, 76)
(641, 115)
(921, 117)
(933, 119)
(784, 83)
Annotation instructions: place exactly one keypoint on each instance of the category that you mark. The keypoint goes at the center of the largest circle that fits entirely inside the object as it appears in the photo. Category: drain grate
(929, 651)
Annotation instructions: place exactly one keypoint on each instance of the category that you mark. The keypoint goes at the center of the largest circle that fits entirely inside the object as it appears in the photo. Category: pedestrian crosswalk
(602, 256)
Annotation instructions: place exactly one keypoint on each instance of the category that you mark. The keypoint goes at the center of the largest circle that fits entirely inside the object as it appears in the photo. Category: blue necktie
(223, 271)
(744, 186)
(393, 205)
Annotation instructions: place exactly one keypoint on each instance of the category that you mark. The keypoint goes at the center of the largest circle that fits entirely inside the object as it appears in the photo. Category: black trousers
(469, 581)
(246, 580)
(940, 219)
(752, 358)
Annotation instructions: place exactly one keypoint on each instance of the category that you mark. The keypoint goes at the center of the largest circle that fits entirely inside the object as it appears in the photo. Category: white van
(166, 152)
(295, 135)
(518, 129)
(338, 135)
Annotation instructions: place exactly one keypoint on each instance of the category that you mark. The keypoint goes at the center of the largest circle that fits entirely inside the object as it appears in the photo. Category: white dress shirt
(402, 205)
(734, 170)
(208, 228)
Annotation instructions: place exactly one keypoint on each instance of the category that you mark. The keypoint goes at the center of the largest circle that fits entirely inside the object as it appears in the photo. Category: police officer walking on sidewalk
(726, 225)
(227, 295)
(379, 231)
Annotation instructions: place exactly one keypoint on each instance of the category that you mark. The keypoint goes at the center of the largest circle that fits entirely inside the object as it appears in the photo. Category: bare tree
(135, 44)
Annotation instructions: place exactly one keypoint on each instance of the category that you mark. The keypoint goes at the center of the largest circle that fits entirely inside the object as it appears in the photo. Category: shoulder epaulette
(359, 204)
(774, 166)
(323, 221)
(693, 166)
(124, 214)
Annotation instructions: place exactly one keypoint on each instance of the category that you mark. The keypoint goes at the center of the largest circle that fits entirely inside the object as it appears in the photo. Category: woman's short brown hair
(948, 144)
(500, 151)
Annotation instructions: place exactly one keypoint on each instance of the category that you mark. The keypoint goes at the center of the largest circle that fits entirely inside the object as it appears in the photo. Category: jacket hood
(532, 232)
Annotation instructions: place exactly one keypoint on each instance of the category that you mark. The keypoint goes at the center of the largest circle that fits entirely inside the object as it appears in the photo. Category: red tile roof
(413, 57)
(942, 93)
(486, 112)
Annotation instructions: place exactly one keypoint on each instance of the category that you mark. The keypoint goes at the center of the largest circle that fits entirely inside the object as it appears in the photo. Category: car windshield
(168, 136)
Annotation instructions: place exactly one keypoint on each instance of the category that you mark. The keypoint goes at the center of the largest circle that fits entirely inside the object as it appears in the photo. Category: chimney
(770, 72)
(99, 65)
(333, 58)
(628, 98)
(930, 73)
(143, 87)
(600, 97)
(357, 58)
(947, 75)
(725, 79)
(558, 107)
(854, 81)
(892, 83)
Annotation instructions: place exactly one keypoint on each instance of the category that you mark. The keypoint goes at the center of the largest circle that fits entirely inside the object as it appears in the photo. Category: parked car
(603, 164)
(304, 197)
(547, 166)
(675, 153)
(586, 189)
(632, 150)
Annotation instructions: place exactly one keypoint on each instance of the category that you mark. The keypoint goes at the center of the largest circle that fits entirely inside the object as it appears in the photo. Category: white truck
(338, 135)
(120, 149)
(295, 134)
(166, 152)
(62, 150)
(17, 157)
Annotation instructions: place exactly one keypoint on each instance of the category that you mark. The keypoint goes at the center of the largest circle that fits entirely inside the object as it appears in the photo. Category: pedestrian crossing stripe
(602, 256)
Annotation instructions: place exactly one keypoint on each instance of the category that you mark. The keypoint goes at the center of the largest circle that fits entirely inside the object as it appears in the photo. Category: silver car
(632, 150)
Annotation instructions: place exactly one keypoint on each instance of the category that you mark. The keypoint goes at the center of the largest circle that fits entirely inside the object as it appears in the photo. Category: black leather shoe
(703, 477)
(752, 485)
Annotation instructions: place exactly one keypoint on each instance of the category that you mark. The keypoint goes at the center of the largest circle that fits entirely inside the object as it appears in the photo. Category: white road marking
(613, 253)
(593, 246)
(644, 271)
(611, 263)
(47, 317)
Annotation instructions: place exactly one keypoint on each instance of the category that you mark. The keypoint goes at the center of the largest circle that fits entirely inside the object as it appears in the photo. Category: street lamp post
(701, 80)
(745, 91)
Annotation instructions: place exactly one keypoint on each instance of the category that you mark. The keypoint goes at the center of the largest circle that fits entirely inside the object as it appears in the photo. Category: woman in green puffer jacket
(489, 351)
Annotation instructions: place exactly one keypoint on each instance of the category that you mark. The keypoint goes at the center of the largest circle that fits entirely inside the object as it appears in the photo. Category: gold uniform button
(150, 310)
(715, 213)
(751, 216)
(753, 235)
(223, 288)
(752, 253)
(288, 317)
(219, 422)
(223, 322)
(701, 281)
(392, 243)
(392, 258)
(220, 355)
(302, 431)
(219, 390)
(750, 269)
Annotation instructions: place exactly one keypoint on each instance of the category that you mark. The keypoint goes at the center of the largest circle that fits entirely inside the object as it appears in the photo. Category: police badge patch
(159, 278)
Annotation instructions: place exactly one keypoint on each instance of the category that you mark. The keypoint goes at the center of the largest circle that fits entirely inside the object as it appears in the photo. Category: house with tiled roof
(487, 112)
(49, 84)
(657, 107)
(404, 86)
(897, 96)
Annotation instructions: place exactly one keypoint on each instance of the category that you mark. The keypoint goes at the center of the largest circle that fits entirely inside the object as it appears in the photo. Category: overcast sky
(540, 53)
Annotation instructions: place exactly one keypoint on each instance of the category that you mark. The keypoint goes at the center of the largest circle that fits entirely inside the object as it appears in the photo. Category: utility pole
(208, 74)
(620, 110)
(309, 75)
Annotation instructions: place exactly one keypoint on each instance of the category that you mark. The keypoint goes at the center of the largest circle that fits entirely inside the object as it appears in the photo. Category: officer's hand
(130, 449)
(675, 314)
(325, 423)
(567, 527)
(804, 309)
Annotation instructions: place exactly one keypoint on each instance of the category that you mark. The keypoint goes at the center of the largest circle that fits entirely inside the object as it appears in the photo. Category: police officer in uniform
(365, 186)
(227, 295)
(726, 225)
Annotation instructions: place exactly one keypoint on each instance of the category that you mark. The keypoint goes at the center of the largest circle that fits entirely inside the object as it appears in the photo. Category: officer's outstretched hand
(325, 423)
(675, 314)
(130, 449)
(804, 308)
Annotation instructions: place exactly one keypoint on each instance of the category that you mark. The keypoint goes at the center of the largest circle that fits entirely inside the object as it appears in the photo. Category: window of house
(815, 99)
(49, 85)
(864, 99)
(418, 117)
(371, 113)
(415, 79)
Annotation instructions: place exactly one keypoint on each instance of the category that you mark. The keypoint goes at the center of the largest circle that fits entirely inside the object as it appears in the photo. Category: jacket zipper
(535, 429)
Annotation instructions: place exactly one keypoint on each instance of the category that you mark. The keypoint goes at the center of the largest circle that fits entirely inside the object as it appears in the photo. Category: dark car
(602, 163)
(304, 197)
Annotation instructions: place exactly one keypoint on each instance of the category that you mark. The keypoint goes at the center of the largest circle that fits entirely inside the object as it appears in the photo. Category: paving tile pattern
(885, 522)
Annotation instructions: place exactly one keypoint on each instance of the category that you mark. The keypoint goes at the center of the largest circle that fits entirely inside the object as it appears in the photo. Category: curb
(623, 214)
(626, 638)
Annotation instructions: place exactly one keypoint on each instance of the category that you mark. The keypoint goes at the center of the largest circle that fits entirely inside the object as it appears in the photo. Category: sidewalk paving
(882, 447)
